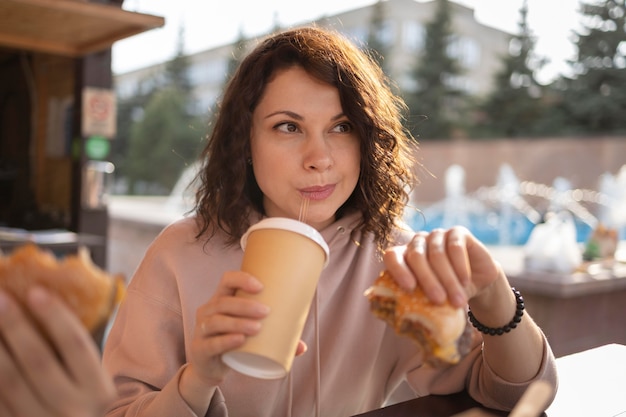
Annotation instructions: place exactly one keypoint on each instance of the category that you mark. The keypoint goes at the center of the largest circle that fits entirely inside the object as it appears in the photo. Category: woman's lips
(318, 192)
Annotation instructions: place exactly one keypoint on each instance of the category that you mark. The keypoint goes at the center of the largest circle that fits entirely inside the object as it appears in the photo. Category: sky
(211, 23)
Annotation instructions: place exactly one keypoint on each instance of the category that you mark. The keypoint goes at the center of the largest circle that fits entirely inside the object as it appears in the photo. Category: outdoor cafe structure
(57, 116)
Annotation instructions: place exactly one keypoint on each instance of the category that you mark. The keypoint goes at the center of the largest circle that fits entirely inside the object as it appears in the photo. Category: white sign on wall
(99, 112)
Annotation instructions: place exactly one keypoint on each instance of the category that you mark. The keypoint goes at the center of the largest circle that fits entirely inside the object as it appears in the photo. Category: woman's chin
(319, 223)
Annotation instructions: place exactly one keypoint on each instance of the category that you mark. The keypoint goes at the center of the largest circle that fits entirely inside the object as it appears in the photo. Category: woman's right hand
(223, 323)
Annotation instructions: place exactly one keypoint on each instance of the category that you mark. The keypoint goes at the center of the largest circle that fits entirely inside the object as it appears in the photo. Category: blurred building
(479, 48)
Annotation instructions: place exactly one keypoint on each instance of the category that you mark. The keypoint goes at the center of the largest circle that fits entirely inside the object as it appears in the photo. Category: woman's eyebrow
(297, 116)
(285, 112)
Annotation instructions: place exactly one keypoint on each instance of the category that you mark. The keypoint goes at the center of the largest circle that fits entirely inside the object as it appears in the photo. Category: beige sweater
(353, 363)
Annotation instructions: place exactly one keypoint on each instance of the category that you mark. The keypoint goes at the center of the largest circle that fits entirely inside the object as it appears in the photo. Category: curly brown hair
(228, 192)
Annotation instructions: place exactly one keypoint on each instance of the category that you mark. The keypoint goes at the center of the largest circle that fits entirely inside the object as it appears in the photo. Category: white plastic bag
(552, 245)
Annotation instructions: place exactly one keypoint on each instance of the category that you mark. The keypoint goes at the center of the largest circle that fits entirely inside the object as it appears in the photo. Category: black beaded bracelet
(519, 312)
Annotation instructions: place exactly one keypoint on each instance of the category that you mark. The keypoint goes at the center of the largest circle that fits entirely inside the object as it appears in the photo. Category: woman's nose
(317, 153)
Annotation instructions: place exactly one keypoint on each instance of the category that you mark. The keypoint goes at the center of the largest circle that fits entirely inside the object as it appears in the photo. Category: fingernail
(254, 326)
(258, 285)
(263, 309)
(458, 300)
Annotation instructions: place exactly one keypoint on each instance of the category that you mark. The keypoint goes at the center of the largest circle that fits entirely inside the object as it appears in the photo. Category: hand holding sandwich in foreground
(452, 266)
(49, 310)
(56, 375)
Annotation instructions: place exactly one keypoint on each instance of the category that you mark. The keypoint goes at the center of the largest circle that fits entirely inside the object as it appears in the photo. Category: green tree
(162, 144)
(167, 135)
(376, 45)
(595, 96)
(514, 107)
(129, 110)
(435, 97)
(177, 69)
(238, 52)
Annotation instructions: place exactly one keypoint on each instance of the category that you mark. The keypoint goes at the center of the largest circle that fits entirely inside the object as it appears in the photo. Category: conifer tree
(376, 46)
(435, 103)
(514, 107)
(237, 54)
(167, 138)
(595, 96)
(176, 69)
(129, 110)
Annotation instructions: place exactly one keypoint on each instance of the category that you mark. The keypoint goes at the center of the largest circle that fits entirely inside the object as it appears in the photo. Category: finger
(232, 281)
(439, 260)
(235, 306)
(456, 246)
(23, 354)
(4, 409)
(395, 264)
(229, 314)
(217, 345)
(73, 344)
(222, 324)
(225, 312)
(16, 396)
(301, 348)
(418, 258)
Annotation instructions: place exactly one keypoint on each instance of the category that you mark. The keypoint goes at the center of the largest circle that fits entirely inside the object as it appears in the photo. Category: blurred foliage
(594, 99)
(162, 144)
(129, 111)
(436, 103)
(159, 134)
(376, 45)
(238, 52)
(516, 106)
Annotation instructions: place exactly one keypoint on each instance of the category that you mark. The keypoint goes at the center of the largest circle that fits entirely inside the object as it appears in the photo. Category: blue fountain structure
(496, 215)
(502, 214)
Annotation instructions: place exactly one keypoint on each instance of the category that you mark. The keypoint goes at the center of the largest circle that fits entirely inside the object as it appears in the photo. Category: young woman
(307, 114)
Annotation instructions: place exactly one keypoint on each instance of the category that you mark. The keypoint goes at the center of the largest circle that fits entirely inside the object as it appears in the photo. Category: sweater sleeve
(145, 349)
(168, 402)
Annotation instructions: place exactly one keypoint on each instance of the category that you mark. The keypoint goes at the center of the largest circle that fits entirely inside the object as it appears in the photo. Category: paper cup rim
(284, 223)
(254, 365)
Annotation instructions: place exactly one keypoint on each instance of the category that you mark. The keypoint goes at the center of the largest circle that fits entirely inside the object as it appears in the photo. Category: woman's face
(303, 146)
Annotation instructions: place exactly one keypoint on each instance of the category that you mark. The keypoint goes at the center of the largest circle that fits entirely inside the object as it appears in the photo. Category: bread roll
(88, 291)
(441, 330)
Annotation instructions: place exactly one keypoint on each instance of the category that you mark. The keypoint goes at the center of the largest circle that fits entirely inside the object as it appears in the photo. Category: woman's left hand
(447, 264)
(452, 264)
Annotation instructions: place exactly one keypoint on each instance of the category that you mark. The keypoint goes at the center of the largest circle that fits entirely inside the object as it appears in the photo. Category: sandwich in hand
(441, 330)
(89, 292)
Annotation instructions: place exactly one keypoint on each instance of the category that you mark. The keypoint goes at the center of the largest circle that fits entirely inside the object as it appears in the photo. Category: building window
(357, 34)
(208, 72)
(387, 33)
(465, 50)
(413, 36)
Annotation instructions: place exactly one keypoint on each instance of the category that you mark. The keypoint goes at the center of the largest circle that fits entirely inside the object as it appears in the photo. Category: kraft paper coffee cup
(287, 256)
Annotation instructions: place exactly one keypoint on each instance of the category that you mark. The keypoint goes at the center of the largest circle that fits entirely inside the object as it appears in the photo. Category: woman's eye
(344, 127)
(287, 127)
